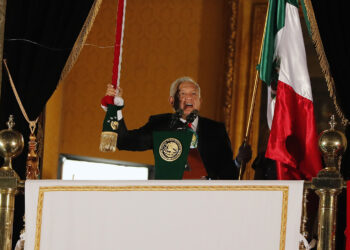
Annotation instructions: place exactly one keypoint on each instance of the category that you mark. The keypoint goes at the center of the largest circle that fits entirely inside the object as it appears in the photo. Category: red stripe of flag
(293, 137)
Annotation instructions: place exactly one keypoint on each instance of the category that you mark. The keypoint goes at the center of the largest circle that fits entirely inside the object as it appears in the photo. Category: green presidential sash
(170, 150)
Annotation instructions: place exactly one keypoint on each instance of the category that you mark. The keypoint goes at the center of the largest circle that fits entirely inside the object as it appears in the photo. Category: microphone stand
(176, 117)
(191, 117)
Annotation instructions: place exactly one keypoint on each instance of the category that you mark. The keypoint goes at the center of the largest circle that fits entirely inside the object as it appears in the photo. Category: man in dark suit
(213, 143)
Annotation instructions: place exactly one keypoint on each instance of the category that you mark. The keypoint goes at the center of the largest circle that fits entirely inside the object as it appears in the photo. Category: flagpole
(252, 103)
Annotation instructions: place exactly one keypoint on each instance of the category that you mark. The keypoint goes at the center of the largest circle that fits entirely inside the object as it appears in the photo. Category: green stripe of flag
(306, 17)
(275, 22)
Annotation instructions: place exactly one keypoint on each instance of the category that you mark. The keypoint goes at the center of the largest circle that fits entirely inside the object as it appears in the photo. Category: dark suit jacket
(265, 168)
(213, 143)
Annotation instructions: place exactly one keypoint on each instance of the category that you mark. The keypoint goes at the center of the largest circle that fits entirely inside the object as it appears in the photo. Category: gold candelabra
(11, 145)
(328, 184)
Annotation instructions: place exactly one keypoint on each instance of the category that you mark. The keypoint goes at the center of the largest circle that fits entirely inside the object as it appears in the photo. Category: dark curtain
(36, 69)
(333, 23)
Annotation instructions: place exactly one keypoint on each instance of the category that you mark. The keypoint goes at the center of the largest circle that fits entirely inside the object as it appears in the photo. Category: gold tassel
(32, 163)
(108, 141)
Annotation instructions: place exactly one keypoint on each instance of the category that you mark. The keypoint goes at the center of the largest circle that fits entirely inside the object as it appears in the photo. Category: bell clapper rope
(109, 135)
(32, 163)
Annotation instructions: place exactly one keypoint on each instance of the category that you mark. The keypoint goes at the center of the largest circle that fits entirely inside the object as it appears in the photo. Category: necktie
(196, 168)
(194, 140)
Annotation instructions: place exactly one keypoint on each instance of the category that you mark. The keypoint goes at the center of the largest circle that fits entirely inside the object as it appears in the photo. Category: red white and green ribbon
(293, 137)
(118, 49)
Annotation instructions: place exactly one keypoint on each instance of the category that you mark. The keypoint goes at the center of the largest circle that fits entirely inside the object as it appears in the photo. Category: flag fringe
(108, 141)
(316, 38)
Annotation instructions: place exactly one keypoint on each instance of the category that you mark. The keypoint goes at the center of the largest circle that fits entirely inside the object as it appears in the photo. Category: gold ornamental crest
(170, 149)
(114, 125)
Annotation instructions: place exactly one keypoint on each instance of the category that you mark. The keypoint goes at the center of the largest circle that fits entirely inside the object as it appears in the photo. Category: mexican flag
(293, 137)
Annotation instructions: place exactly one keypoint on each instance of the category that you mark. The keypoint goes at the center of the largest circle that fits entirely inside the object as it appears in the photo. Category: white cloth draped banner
(160, 215)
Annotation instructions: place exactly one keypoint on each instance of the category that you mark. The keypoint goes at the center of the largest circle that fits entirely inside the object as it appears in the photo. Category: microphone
(192, 116)
(175, 117)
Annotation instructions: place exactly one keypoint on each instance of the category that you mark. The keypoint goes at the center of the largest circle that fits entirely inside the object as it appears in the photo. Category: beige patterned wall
(247, 25)
(164, 39)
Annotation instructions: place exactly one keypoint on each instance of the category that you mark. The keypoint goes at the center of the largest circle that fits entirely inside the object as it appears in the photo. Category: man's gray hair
(175, 85)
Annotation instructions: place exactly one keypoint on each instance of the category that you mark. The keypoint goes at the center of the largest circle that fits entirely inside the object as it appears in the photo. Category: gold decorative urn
(11, 145)
(328, 184)
(332, 144)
